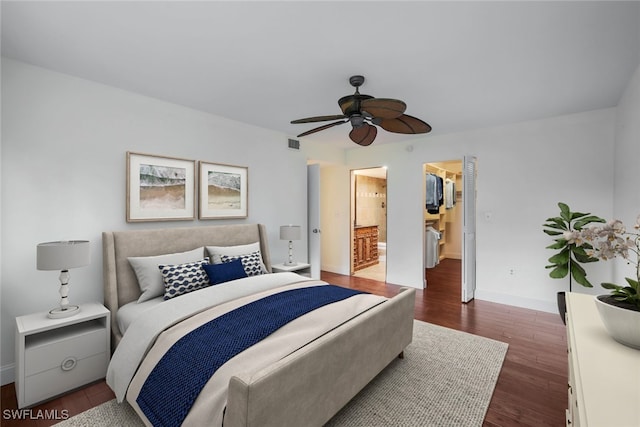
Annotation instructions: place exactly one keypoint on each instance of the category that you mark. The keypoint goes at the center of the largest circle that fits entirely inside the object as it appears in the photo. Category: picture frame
(160, 188)
(223, 191)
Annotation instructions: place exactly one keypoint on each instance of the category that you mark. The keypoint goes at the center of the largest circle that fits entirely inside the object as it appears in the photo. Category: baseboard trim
(337, 269)
(8, 374)
(530, 303)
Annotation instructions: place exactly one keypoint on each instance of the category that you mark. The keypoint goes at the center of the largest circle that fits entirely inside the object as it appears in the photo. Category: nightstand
(300, 268)
(54, 356)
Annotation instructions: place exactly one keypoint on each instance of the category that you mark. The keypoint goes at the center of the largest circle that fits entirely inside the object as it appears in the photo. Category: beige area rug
(446, 379)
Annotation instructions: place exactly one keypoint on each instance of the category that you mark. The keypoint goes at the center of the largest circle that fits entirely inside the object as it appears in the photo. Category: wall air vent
(294, 144)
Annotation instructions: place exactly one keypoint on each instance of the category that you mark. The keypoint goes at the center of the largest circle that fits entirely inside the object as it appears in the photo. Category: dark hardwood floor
(532, 386)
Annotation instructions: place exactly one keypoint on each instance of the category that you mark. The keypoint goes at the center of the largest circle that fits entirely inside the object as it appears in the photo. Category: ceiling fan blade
(384, 108)
(363, 135)
(405, 124)
(318, 129)
(319, 119)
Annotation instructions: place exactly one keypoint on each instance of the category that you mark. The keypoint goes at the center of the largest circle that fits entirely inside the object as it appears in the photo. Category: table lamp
(290, 233)
(62, 256)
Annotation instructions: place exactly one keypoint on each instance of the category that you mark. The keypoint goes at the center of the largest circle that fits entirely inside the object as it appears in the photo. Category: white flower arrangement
(609, 241)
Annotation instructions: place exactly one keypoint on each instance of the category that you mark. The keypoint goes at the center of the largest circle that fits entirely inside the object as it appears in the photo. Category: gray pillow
(217, 252)
(149, 275)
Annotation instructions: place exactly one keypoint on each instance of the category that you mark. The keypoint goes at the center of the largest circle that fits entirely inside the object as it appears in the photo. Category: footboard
(311, 385)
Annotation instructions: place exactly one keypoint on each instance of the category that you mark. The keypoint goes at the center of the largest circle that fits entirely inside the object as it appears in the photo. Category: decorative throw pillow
(149, 276)
(184, 278)
(252, 262)
(225, 272)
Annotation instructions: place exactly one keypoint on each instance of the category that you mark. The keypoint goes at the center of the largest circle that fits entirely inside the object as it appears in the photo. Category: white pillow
(216, 252)
(149, 275)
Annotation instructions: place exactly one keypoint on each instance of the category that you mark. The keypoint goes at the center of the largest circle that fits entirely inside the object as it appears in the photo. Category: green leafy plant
(629, 294)
(570, 255)
(613, 240)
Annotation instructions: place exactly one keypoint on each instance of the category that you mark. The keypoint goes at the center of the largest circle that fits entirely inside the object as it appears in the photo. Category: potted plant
(570, 255)
(620, 309)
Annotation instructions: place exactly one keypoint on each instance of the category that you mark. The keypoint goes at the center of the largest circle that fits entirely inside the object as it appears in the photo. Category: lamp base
(59, 313)
(290, 263)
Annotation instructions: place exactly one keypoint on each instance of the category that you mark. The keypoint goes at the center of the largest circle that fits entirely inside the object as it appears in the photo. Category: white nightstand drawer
(48, 351)
(56, 381)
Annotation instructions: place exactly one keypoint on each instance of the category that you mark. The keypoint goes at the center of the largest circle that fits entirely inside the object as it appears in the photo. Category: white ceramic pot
(623, 325)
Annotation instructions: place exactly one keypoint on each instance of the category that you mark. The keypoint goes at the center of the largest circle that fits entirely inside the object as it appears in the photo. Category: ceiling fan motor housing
(350, 104)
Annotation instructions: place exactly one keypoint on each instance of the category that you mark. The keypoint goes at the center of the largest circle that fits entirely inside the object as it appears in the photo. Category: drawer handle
(69, 363)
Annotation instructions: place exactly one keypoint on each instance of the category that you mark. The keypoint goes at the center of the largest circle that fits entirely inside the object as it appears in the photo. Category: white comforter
(144, 342)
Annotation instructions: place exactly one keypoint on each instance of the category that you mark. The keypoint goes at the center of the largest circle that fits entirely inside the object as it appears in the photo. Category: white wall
(627, 157)
(524, 170)
(63, 177)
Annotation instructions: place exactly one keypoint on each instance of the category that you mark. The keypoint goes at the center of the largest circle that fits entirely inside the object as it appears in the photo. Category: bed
(300, 375)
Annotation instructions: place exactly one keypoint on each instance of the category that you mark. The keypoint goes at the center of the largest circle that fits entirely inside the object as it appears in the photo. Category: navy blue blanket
(175, 382)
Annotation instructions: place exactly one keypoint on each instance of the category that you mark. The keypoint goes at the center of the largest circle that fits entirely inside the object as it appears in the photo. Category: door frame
(352, 209)
(467, 282)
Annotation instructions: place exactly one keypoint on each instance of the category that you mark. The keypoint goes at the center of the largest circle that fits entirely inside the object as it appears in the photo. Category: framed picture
(223, 191)
(160, 188)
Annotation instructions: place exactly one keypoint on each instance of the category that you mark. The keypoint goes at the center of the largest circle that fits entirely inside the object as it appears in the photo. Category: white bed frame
(306, 388)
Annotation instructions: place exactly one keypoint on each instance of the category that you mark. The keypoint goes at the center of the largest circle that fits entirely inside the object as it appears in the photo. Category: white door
(313, 220)
(469, 229)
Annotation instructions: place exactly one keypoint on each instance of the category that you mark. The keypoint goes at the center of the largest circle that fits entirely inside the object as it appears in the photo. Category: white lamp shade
(63, 255)
(289, 232)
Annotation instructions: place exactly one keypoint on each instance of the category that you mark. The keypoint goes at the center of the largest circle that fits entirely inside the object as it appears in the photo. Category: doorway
(443, 220)
(369, 223)
(450, 218)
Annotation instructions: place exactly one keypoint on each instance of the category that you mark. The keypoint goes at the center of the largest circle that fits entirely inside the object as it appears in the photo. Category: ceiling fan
(364, 111)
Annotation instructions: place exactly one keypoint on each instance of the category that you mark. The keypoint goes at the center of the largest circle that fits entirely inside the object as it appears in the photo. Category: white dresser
(604, 376)
(54, 356)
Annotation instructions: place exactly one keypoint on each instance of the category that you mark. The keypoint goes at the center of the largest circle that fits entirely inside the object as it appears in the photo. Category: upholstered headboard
(120, 283)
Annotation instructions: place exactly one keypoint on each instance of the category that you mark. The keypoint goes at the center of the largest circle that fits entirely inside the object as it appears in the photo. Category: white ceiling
(457, 65)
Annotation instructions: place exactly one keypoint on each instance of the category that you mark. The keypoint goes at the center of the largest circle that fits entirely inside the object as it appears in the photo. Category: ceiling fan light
(357, 120)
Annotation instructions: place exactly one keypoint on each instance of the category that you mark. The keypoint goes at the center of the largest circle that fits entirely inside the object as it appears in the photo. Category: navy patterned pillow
(252, 262)
(180, 279)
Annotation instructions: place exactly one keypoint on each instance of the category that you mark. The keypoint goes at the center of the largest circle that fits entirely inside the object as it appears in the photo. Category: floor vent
(294, 144)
